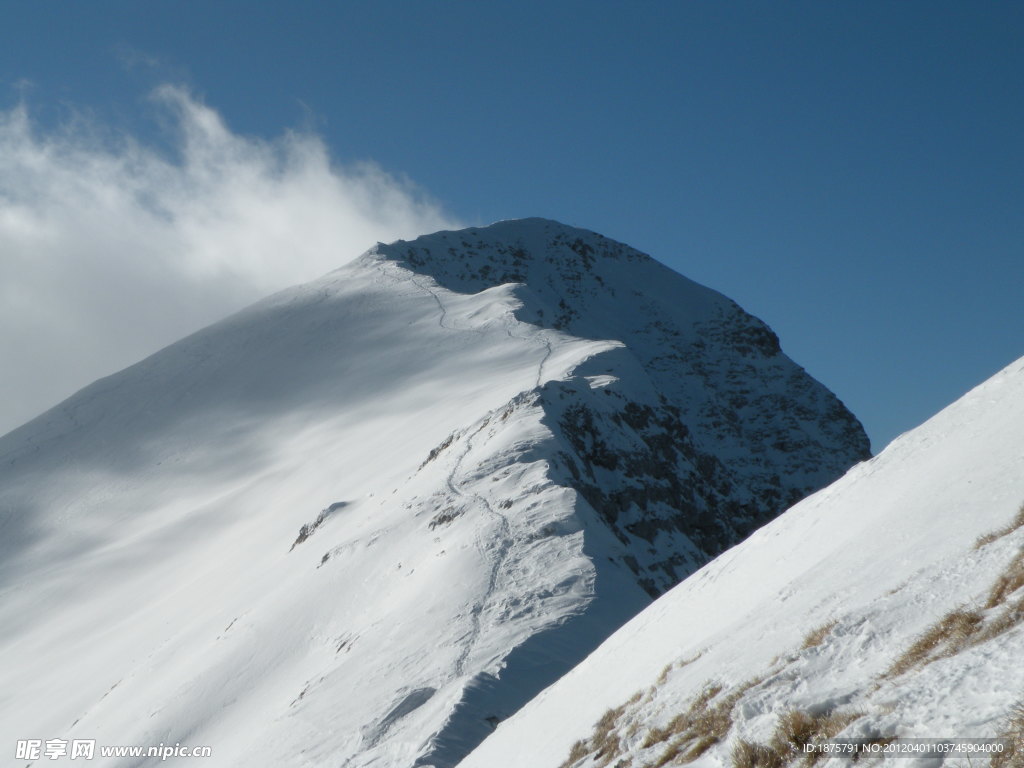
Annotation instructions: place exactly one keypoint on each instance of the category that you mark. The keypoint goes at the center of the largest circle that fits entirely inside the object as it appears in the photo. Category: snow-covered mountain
(365, 520)
(887, 606)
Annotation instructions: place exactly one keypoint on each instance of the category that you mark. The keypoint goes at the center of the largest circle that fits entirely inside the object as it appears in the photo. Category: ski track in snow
(505, 535)
(437, 299)
(496, 556)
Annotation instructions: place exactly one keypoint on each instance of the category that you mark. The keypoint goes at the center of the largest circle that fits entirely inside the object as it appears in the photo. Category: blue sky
(852, 173)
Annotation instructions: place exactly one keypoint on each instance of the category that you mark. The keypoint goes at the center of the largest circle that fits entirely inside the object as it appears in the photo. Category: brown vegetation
(604, 744)
(817, 636)
(1014, 524)
(963, 628)
(705, 723)
(749, 754)
(1008, 582)
(1013, 732)
(709, 715)
(794, 731)
(947, 637)
(797, 729)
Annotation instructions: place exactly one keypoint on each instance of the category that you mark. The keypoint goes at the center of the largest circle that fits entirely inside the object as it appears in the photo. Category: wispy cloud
(111, 247)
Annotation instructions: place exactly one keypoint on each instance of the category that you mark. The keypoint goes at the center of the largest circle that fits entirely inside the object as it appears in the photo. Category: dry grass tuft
(1008, 582)
(576, 753)
(604, 744)
(656, 736)
(689, 735)
(797, 729)
(670, 754)
(817, 636)
(1013, 732)
(793, 732)
(748, 754)
(705, 722)
(988, 538)
(947, 637)
(1008, 619)
(962, 628)
(663, 677)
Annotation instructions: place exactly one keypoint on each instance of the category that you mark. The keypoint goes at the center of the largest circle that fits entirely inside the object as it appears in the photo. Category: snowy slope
(368, 518)
(886, 605)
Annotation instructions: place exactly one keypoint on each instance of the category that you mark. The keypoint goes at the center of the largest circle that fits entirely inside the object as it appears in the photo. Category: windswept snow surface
(873, 562)
(365, 520)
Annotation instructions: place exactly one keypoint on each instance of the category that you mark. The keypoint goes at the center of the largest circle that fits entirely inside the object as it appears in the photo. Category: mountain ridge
(377, 461)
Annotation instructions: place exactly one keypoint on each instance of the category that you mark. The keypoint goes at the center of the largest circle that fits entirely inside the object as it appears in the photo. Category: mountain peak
(537, 252)
(428, 482)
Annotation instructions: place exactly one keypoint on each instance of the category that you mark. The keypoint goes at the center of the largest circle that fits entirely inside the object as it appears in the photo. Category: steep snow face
(888, 605)
(368, 518)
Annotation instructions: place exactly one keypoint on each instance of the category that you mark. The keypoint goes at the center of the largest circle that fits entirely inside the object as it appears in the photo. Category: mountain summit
(368, 518)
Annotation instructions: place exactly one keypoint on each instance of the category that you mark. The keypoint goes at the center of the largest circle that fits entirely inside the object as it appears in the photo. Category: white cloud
(110, 248)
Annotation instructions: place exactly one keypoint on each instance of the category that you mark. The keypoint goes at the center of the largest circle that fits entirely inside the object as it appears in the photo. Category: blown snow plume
(97, 226)
(367, 519)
